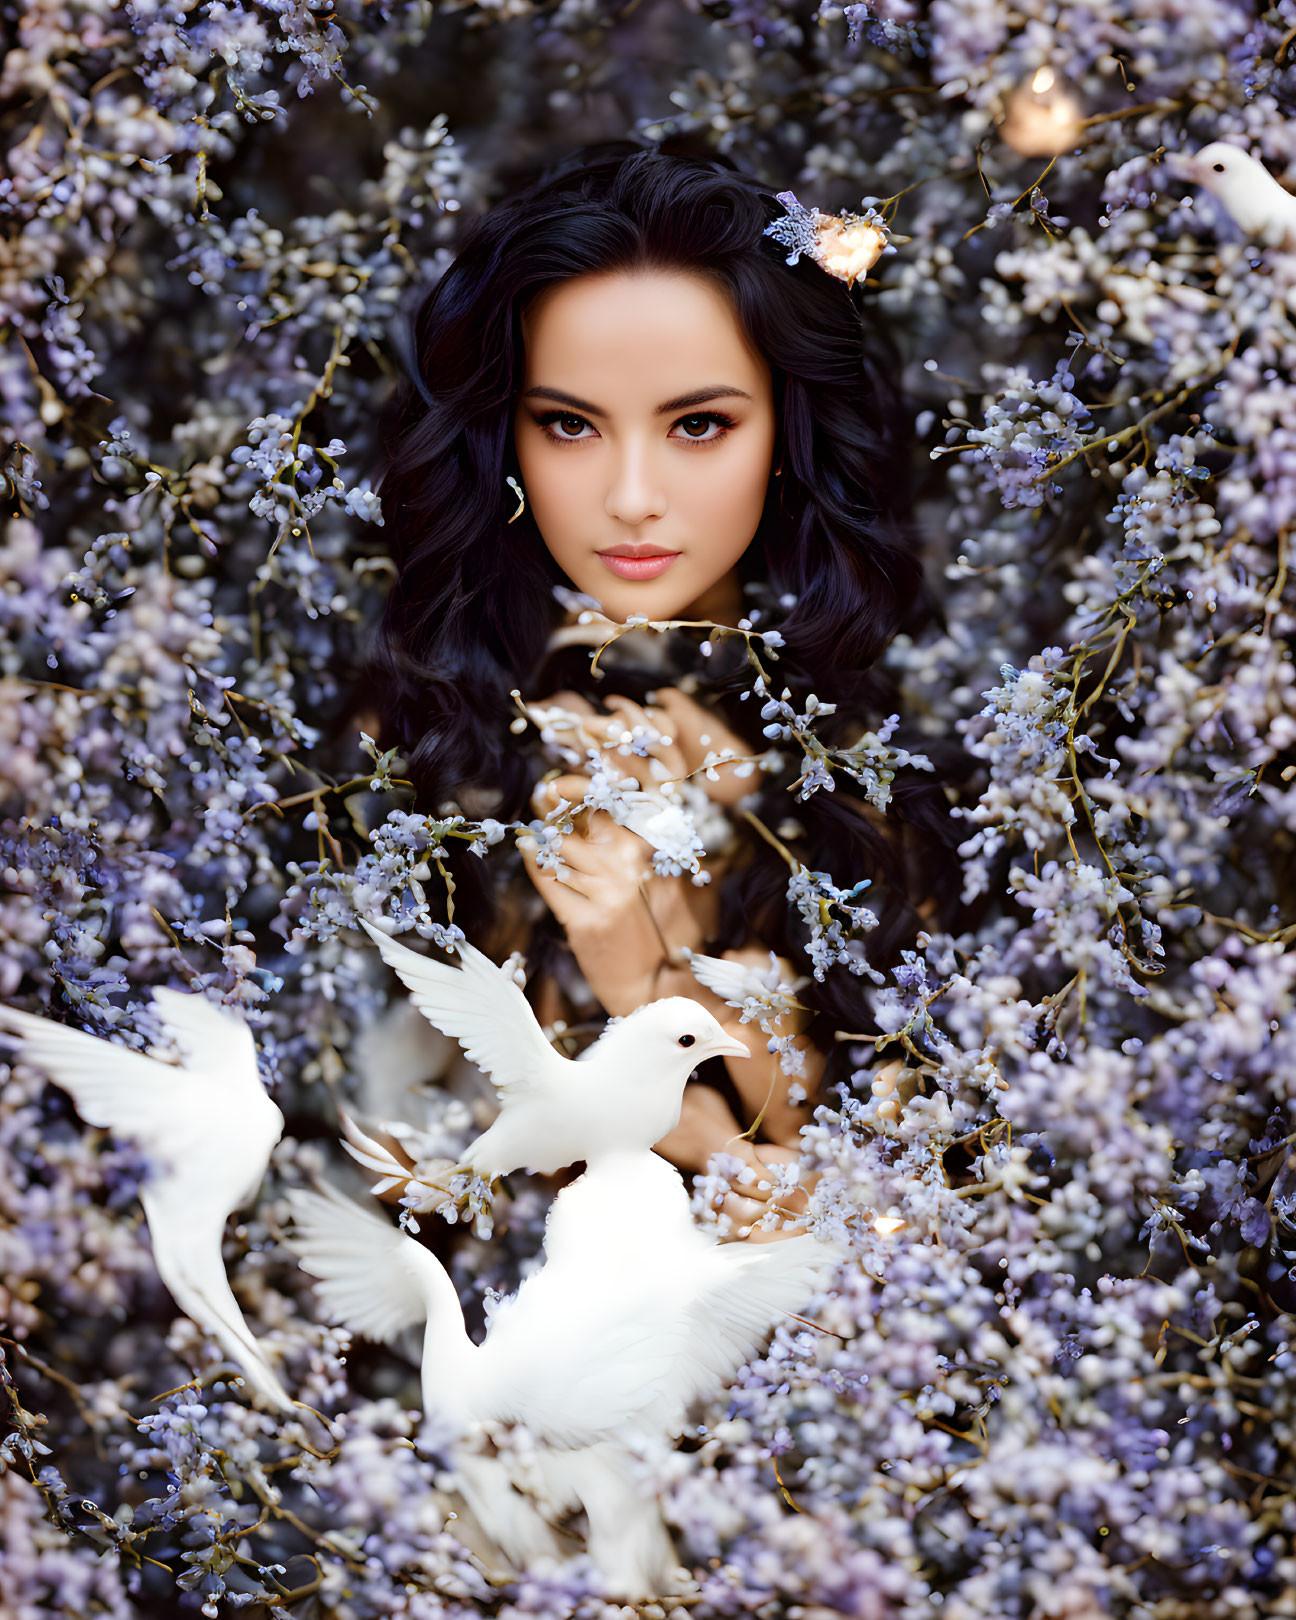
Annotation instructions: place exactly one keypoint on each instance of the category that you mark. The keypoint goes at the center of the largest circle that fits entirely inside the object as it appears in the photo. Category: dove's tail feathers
(370, 1276)
(373, 1156)
(188, 1259)
(515, 1521)
(628, 1542)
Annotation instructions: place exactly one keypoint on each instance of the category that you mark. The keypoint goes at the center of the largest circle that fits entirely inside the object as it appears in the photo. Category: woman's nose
(636, 491)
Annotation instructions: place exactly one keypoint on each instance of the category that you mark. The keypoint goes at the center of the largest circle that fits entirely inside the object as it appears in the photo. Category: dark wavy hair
(473, 606)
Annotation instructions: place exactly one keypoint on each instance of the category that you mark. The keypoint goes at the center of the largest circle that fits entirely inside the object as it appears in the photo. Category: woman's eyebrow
(700, 396)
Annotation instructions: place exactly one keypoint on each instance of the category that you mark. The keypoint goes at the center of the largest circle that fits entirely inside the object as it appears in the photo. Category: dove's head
(1218, 167)
(671, 1037)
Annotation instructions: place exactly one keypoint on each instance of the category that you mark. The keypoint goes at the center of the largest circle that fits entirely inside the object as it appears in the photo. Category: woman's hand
(698, 732)
(707, 1126)
(618, 915)
(631, 741)
(676, 733)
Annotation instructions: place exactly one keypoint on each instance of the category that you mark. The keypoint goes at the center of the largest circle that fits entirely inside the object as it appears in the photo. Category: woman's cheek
(732, 506)
(557, 501)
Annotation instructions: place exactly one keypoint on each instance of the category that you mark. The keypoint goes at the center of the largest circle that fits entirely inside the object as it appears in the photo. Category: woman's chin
(688, 588)
(688, 599)
(621, 604)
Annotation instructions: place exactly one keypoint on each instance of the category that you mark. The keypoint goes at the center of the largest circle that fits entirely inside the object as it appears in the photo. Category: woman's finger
(690, 721)
(547, 794)
(634, 714)
(572, 702)
(575, 858)
(576, 708)
(548, 879)
(743, 1212)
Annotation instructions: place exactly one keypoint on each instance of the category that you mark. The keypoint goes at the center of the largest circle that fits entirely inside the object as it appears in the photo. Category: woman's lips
(638, 567)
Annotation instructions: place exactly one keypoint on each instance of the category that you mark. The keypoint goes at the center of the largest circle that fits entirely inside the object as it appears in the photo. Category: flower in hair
(845, 245)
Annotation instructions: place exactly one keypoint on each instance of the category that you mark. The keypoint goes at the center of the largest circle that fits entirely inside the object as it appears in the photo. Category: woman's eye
(562, 425)
(699, 426)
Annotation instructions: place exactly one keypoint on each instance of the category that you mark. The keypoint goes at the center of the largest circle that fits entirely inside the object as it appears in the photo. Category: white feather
(393, 1059)
(628, 1541)
(738, 982)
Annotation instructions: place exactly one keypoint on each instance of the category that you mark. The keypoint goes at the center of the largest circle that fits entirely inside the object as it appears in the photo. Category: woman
(622, 386)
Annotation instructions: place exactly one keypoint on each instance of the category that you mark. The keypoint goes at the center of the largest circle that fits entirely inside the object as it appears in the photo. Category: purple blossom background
(1064, 1387)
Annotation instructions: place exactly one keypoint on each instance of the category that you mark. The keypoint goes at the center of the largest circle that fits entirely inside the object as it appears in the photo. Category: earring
(778, 471)
(517, 490)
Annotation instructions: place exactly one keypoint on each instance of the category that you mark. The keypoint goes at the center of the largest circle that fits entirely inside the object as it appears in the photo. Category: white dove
(1259, 204)
(531, 1369)
(625, 1091)
(635, 1314)
(208, 1128)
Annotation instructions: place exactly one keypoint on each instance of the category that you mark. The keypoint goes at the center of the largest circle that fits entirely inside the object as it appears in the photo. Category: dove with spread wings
(635, 1314)
(625, 1091)
(208, 1128)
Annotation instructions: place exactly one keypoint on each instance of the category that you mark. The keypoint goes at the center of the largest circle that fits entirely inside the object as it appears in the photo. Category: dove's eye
(688, 1040)
(1219, 168)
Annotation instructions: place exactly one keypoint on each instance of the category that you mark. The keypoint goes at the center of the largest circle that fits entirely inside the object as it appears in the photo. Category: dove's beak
(1181, 166)
(731, 1048)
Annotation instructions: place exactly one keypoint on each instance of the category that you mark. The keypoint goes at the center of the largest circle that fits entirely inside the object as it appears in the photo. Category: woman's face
(644, 431)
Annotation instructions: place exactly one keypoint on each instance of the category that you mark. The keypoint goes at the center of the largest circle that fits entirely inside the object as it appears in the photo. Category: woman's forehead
(651, 332)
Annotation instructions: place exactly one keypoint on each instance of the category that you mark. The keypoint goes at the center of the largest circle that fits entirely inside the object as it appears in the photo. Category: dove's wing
(208, 1036)
(629, 1216)
(481, 1007)
(393, 1058)
(509, 1516)
(590, 1346)
(187, 1253)
(731, 981)
(749, 1289)
(214, 1125)
(210, 1135)
(234, 1123)
(582, 1358)
(734, 981)
(371, 1276)
(112, 1086)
